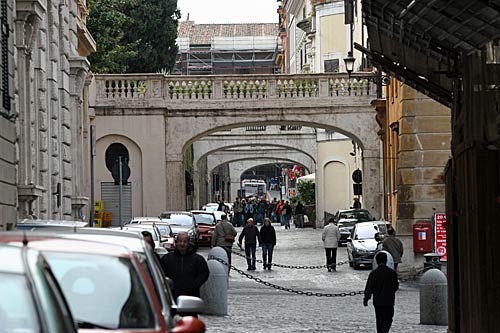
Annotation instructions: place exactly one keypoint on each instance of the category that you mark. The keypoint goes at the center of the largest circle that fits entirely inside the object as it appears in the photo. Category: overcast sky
(229, 11)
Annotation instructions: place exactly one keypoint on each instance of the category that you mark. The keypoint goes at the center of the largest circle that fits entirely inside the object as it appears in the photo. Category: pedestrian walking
(286, 212)
(331, 237)
(279, 208)
(187, 269)
(224, 236)
(299, 215)
(261, 211)
(382, 284)
(238, 212)
(251, 235)
(268, 241)
(249, 210)
(394, 246)
(222, 206)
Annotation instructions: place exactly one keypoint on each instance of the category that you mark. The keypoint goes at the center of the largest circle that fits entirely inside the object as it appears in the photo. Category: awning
(311, 176)
(421, 42)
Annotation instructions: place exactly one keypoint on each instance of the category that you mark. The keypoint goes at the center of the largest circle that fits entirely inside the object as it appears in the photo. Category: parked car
(357, 215)
(206, 222)
(167, 240)
(28, 224)
(135, 242)
(182, 222)
(152, 228)
(95, 276)
(31, 300)
(362, 245)
(213, 206)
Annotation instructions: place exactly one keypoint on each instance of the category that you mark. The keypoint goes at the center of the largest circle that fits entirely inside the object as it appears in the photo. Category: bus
(254, 188)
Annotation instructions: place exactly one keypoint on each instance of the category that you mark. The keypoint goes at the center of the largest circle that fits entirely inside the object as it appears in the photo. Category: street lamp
(349, 63)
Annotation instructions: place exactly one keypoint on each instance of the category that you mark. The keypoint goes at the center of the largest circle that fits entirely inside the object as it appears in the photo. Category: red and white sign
(440, 232)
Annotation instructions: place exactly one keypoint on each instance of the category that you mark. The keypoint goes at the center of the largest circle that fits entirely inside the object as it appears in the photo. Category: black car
(182, 222)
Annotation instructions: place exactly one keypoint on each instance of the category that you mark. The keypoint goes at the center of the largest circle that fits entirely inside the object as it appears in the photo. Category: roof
(419, 42)
(203, 33)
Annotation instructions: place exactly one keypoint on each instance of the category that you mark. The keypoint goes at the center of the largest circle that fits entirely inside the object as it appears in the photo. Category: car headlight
(210, 232)
(190, 232)
(362, 250)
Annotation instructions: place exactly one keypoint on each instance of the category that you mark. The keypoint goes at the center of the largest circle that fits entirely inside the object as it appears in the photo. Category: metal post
(120, 208)
(92, 154)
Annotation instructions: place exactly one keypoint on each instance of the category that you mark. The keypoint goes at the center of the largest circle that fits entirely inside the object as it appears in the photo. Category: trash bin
(432, 260)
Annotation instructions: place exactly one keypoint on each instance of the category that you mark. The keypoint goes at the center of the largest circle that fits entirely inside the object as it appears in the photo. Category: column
(176, 187)
(372, 182)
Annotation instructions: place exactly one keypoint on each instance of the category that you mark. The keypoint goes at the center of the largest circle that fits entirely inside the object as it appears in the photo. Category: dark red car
(206, 222)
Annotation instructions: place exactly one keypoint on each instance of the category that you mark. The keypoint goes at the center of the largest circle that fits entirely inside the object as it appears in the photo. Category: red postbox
(422, 237)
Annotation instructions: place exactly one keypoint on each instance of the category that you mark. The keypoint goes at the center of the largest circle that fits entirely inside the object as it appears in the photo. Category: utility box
(422, 237)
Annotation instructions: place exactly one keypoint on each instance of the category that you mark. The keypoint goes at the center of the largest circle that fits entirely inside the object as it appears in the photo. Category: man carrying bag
(224, 236)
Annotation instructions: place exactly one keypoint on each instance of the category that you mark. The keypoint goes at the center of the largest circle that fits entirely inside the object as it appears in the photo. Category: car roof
(146, 218)
(177, 213)
(54, 243)
(28, 223)
(131, 239)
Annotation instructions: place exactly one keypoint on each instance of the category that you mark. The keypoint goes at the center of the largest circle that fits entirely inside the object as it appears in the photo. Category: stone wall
(41, 146)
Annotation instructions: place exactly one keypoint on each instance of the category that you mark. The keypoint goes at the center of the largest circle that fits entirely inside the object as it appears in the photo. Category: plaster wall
(144, 138)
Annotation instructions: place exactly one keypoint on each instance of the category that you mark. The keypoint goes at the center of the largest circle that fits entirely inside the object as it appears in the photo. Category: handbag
(228, 237)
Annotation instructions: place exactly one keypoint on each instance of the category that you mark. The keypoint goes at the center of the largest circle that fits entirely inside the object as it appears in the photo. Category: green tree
(306, 194)
(155, 29)
(107, 23)
(133, 36)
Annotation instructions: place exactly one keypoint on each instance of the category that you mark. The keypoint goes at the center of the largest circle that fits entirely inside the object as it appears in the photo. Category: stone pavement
(254, 307)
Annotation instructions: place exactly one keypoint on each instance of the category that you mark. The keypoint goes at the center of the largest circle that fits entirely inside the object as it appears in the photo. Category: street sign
(357, 177)
(125, 173)
(440, 232)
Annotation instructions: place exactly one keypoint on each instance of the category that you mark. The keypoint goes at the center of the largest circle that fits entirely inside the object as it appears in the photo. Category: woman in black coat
(268, 241)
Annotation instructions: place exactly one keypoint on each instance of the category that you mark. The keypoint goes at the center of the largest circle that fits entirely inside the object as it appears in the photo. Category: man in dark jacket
(251, 235)
(299, 215)
(382, 283)
(268, 241)
(187, 269)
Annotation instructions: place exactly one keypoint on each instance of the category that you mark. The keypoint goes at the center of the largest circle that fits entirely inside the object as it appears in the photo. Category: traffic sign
(356, 176)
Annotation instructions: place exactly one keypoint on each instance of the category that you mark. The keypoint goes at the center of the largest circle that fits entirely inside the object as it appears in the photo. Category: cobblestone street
(254, 307)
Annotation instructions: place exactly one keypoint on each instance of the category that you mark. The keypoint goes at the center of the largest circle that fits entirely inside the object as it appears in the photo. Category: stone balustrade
(232, 87)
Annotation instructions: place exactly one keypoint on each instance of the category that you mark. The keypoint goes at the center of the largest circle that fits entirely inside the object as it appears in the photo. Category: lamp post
(349, 63)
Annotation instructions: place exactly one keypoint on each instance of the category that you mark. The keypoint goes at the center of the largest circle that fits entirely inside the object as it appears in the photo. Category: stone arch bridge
(164, 115)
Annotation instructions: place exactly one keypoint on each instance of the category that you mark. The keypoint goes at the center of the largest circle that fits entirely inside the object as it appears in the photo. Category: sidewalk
(254, 307)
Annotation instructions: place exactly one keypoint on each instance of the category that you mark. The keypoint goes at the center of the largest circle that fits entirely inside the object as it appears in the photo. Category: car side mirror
(189, 305)
(189, 324)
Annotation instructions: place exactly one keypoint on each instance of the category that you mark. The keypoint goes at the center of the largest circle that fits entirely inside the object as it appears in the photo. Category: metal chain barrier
(290, 290)
(291, 266)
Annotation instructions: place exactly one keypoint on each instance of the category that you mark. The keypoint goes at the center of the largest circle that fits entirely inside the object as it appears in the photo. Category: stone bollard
(219, 253)
(214, 291)
(390, 261)
(433, 298)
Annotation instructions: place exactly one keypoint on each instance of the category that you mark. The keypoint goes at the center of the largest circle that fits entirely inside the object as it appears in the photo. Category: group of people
(276, 211)
(189, 270)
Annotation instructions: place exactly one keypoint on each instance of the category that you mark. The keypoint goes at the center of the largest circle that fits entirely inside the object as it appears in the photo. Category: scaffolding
(229, 55)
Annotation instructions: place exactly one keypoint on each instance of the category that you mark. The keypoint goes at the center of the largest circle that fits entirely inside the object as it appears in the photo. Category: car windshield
(177, 219)
(92, 283)
(17, 312)
(211, 208)
(366, 232)
(361, 215)
(205, 219)
(346, 224)
(165, 230)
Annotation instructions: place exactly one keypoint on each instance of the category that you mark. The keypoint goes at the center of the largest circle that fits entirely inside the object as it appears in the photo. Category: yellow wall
(333, 36)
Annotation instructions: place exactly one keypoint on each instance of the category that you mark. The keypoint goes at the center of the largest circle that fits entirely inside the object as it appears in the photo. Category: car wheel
(351, 264)
(355, 266)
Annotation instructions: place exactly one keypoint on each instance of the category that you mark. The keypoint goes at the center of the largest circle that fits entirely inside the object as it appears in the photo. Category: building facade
(416, 135)
(44, 125)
